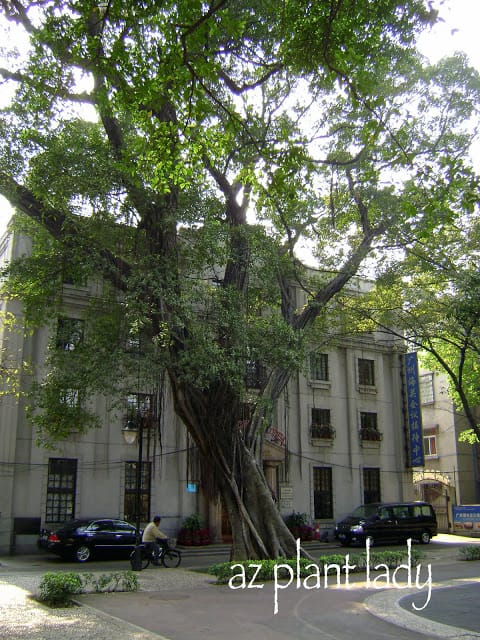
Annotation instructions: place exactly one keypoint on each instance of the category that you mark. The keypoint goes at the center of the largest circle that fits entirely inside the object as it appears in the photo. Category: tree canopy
(432, 300)
(182, 154)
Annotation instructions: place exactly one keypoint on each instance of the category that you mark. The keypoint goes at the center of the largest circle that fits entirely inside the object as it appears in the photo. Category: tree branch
(67, 230)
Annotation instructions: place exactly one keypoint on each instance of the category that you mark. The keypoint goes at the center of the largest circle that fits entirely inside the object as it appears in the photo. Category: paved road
(185, 605)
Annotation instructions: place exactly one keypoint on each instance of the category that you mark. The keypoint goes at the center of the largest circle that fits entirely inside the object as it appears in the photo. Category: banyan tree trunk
(258, 530)
(231, 471)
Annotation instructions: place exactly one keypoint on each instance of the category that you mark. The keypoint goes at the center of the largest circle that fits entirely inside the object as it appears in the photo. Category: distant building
(451, 475)
(338, 439)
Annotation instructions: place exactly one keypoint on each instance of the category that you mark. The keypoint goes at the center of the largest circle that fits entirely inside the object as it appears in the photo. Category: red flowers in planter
(194, 532)
(194, 537)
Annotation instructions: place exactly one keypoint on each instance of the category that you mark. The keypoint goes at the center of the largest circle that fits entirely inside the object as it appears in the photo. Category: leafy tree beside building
(180, 156)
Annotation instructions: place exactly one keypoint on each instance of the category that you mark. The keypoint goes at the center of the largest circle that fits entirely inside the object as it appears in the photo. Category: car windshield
(365, 511)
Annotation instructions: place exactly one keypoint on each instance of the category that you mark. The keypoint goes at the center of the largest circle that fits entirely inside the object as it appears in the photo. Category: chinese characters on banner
(414, 414)
(466, 518)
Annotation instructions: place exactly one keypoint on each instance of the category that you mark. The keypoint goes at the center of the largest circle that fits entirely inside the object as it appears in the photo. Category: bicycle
(168, 557)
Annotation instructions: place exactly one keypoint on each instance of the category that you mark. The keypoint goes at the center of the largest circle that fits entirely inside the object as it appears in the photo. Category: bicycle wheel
(139, 559)
(171, 558)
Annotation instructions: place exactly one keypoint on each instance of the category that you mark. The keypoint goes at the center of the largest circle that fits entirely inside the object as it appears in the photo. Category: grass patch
(470, 552)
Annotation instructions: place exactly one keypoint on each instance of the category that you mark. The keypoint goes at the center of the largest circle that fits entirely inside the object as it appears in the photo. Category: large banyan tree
(181, 152)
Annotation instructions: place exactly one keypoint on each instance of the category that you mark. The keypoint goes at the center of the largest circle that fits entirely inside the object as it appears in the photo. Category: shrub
(57, 589)
(193, 532)
(470, 552)
(108, 582)
(298, 524)
(223, 571)
(192, 523)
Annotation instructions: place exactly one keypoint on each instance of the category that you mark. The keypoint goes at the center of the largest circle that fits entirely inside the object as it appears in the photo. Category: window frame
(427, 449)
(319, 367)
(366, 372)
(70, 333)
(322, 486)
(369, 430)
(321, 427)
(58, 508)
(424, 380)
(371, 484)
(130, 490)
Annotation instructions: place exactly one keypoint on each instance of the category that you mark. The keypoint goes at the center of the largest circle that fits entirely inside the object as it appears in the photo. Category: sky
(457, 32)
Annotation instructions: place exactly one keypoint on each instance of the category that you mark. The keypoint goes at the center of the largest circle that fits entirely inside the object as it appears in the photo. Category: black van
(388, 522)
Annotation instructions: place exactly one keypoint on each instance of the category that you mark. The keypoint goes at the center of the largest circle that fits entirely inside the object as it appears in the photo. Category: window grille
(322, 493)
(61, 489)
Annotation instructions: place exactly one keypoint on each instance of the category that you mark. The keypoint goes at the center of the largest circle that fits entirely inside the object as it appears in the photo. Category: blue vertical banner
(414, 412)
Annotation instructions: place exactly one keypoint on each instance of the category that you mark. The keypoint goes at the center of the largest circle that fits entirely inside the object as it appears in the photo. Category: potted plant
(322, 431)
(298, 524)
(371, 435)
(193, 532)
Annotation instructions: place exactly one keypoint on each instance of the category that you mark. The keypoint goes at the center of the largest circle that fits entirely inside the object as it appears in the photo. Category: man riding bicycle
(153, 538)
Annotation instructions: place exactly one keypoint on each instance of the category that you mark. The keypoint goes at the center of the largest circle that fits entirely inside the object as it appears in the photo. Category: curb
(143, 634)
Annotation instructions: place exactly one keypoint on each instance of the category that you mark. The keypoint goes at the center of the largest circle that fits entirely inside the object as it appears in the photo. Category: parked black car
(388, 522)
(81, 539)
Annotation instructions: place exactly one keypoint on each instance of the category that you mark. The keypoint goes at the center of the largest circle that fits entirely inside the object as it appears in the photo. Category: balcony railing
(322, 432)
(370, 435)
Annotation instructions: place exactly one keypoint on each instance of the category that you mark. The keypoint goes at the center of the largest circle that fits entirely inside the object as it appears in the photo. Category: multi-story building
(451, 475)
(338, 439)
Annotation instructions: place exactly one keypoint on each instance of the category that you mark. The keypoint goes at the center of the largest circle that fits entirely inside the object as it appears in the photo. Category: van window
(384, 513)
(401, 512)
(364, 511)
(422, 510)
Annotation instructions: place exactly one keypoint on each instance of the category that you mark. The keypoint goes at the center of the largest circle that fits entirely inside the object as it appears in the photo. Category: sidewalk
(23, 617)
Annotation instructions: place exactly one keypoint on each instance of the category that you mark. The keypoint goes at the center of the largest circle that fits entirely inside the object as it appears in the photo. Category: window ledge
(320, 384)
(370, 444)
(366, 388)
(321, 442)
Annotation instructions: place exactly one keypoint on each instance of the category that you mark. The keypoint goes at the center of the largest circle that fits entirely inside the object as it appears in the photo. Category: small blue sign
(414, 411)
(192, 487)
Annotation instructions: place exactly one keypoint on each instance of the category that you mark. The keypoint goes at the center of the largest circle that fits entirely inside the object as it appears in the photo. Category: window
(130, 498)
(366, 372)
(430, 445)
(369, 426)
(426, 388)
(321, 426)
(322, 493)
(368, 421)
(254, 375)
(319, 366)
(61, 488)
(71, 398)
(69, 333)
(141, 402)
(371, 485)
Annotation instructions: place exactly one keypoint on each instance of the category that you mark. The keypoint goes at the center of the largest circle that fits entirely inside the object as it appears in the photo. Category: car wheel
(82, 553)
(345, 543)
(425, 537)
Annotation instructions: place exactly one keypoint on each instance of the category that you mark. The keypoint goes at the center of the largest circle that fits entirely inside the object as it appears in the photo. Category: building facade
(338, 439)
(451, 475)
